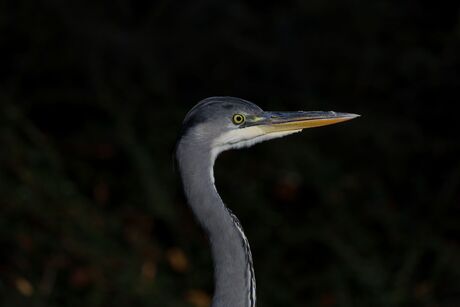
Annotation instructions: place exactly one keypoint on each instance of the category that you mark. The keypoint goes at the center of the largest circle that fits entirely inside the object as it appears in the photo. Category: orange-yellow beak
(294, 121)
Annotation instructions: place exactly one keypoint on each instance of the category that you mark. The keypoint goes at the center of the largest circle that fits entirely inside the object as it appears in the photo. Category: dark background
(92, 96)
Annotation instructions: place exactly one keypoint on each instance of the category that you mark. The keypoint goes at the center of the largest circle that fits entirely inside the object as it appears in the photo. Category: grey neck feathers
(233, 271)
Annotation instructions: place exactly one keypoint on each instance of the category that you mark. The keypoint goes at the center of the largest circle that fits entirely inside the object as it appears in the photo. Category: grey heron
(212, 126)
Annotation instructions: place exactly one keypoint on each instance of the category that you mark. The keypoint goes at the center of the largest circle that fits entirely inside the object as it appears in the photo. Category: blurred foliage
(92, 95)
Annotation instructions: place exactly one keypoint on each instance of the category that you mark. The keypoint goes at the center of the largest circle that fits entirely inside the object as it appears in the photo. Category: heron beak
(296, 121)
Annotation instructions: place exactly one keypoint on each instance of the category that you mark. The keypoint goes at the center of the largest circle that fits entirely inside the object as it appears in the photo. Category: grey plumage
(212, 126)
(194, 156)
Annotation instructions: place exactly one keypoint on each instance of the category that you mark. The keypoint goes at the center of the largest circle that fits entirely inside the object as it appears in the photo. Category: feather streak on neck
(230, 250)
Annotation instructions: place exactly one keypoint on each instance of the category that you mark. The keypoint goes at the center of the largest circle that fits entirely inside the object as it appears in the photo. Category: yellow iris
(238, 119)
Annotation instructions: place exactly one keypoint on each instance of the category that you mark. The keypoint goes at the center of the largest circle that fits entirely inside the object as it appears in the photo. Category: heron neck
(233, 272)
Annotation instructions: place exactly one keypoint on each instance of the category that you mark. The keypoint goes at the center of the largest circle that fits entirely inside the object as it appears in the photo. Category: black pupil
(238, 118)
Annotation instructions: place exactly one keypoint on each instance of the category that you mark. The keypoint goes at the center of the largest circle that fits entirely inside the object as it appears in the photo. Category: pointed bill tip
(351, 115)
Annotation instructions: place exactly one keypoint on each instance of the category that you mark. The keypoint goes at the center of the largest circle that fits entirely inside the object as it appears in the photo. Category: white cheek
(236, 135)
(244, 137)
(240, 138)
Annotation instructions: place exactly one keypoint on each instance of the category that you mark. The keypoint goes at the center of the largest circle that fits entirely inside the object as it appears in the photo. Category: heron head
(221, 123)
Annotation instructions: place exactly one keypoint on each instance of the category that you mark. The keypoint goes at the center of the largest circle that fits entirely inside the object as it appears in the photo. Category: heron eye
(238, 119)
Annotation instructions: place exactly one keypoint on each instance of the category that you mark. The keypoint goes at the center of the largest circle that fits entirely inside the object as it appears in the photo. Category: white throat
(244, 137)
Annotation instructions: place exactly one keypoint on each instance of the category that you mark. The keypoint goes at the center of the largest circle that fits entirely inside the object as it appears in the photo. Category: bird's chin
(246, 137)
